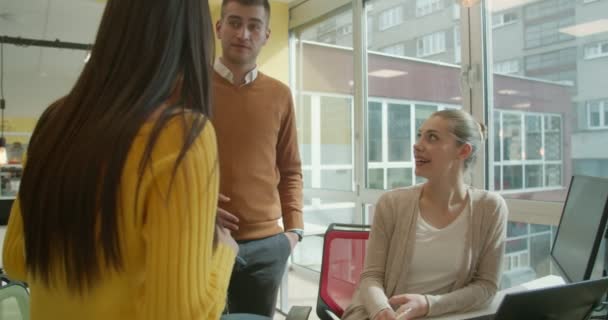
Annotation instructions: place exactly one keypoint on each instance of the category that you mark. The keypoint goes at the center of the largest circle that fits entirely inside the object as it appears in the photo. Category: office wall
(274, 58)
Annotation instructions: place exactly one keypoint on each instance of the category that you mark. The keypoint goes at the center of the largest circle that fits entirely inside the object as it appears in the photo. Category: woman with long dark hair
(115, 218)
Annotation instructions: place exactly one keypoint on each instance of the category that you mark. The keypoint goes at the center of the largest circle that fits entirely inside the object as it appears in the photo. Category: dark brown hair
(263, 3)
(77, 152)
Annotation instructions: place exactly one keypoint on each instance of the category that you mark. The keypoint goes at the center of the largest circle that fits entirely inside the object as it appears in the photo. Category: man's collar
(221, 68)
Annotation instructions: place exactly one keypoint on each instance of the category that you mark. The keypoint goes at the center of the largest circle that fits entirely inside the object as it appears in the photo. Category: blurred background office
(364, 77)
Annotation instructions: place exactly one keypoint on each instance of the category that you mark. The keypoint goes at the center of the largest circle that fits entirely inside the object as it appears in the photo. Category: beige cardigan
(390, 251)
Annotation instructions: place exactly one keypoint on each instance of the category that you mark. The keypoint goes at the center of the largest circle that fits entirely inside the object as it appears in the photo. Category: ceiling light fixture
(387, 73)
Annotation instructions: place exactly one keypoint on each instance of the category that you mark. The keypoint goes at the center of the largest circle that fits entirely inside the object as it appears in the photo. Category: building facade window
(426, 7)
(553, 59)
(559, 66)
(397, 49)
(528, 151)
(456, 11)
(522, 240)
(390, 18)
(596, 50)
(345, 30)
(548, 32)
(507, 67)
(548, 8)
(431, 44)
(597, 114)
(502, 19)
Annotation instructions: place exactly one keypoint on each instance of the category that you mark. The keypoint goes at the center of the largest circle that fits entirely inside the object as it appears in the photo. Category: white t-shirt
(438, 255)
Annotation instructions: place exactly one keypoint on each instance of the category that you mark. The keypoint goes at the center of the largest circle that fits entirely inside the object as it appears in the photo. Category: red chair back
(343, 257)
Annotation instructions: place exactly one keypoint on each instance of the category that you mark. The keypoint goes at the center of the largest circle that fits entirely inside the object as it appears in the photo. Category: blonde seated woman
(434, 248)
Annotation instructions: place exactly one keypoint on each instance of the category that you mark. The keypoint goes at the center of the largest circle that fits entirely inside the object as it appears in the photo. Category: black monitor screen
(573, 301)
(581, 227)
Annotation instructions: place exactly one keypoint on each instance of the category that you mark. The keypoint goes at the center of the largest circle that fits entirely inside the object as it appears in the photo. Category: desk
(543, 282)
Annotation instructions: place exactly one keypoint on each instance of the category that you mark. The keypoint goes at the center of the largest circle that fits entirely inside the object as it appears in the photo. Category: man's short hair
(263, 3)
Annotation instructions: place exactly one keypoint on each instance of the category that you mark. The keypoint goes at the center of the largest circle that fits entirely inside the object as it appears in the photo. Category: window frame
(427, 53)
(523, 162)
(602, 109)
(428, 7)
(597, 45)
(501, 17)
(476, 93)
(386, 17)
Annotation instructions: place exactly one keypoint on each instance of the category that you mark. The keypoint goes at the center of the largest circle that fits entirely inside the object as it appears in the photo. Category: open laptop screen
(581, 228)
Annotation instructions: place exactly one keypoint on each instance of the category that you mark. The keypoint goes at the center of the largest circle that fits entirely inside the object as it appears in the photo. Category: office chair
(14, 300)
(344, 248)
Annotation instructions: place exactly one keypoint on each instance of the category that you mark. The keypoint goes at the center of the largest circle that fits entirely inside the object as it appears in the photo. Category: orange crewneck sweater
(259, 157)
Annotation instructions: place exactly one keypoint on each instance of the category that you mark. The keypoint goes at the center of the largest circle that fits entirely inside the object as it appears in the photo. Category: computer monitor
(581, 227)
(574, 301)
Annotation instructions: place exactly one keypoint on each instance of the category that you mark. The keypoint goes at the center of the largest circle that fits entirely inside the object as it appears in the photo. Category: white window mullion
(522, 152)
(353, 135)
(475, 86)
(385, 142)
(315, 152)
(542, 144)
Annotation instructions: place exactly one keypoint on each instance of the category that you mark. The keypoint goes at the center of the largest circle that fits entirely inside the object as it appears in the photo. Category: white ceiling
(35, 76)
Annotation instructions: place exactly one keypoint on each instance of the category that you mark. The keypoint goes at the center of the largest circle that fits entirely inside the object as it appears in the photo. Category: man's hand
(224, 218)
(224, 236)
(411, 306)
(293, 239)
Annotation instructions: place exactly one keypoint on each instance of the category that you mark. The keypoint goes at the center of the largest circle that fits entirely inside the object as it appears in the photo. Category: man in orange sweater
(261, 176)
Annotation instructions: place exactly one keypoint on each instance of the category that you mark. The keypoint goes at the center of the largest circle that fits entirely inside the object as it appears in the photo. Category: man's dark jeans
(257, 274)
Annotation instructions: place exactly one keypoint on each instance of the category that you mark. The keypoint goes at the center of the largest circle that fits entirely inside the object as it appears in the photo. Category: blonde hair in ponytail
(466, 130)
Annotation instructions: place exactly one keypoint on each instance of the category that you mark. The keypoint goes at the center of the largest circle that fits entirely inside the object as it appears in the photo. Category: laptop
(574, 301)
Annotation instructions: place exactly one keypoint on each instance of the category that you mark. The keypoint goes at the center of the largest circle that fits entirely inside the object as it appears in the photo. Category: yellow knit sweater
(171, 270)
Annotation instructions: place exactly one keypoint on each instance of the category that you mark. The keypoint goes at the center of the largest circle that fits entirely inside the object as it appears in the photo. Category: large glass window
(324, 103)
(531, 150)
(547, 115)
(542, 115)
(405, 89)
